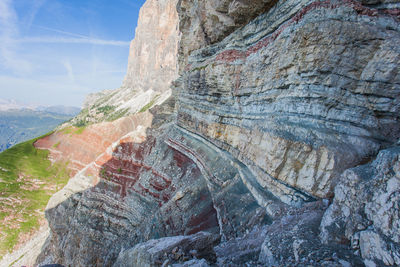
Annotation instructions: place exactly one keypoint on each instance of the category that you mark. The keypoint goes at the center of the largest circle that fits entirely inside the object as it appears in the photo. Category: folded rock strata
(275, 100)
(300, 93)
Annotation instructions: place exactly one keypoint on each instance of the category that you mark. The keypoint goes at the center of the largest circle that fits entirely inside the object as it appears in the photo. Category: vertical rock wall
(301, 93)
(152, 61)
(152, 66)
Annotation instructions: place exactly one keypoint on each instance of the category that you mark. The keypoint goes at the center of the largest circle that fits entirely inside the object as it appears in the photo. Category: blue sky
(58, 51)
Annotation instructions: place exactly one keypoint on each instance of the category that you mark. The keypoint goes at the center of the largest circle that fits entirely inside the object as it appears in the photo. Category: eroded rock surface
(207, 22)
(293, 241)
(81, 146)
(148, 185)
(170, 250)
(366, 211)
(152, 62)
(301, 93)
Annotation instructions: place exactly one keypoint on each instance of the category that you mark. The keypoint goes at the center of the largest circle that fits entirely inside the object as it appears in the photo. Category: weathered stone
(173, 250)
(148, 186)
(152, 62)
(193, 263)
(244, 249)
(81, 146)
(206, 22)
(293, 241)
(306, 114)
(366, 212)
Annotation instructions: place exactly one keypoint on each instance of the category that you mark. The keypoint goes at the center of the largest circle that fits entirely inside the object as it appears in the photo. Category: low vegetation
(27, 181)
(73, 130)
(149, 105)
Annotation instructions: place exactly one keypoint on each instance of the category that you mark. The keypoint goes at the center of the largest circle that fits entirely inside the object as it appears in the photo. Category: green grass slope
(27, 181)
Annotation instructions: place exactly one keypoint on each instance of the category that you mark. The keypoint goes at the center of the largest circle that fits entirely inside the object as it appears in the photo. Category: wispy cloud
(60, 31)
(36, 5)
(8, 33)
(70, 72)
(59, 65)
(77, 38)
(11, 40)
(69, 40)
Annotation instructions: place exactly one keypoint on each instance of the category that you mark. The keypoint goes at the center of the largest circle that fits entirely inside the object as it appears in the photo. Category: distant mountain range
(6, 105)
(21, 122)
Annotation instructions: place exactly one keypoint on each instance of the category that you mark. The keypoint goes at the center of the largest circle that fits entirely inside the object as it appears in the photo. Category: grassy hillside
(27, 180)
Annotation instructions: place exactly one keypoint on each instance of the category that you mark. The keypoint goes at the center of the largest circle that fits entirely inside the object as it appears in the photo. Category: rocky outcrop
(170, 250)
(365, 211)
(206, 22)
(148, 185)
(304, 115)
(81, 146)
(275, 100)
(293, 241)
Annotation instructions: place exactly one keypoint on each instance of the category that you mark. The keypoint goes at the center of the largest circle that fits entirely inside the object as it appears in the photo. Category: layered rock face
(301, 93)
(81, 146)
(149, 184)
(275, 100)
(207, 22)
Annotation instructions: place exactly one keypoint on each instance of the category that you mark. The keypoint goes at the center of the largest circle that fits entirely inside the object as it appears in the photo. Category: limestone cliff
(276, 104)
(152, 66)
(152, 59)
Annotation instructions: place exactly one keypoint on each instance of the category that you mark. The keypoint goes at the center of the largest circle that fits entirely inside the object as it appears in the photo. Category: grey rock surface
(301, 93)
(366, 212)
(171, 250)
(151, 185)
(293, 241)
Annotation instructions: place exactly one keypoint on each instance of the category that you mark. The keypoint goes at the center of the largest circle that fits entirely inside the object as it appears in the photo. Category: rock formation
(276, 104)
(81, 146)
(305, 115)
(366, 212)
(152, 66)
(152, 62)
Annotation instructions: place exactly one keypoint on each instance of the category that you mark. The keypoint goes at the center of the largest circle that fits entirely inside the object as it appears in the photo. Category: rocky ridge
(258, 146)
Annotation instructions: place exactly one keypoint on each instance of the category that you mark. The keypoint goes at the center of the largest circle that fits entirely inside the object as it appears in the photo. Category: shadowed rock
(169, 250)
(366, 213)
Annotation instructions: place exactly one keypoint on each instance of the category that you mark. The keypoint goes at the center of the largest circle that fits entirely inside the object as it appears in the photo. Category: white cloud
(58, 68)
(78, 38)
(8, 33)
(69, 40)
(36, 5)
(70, 72)
(11, 57)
